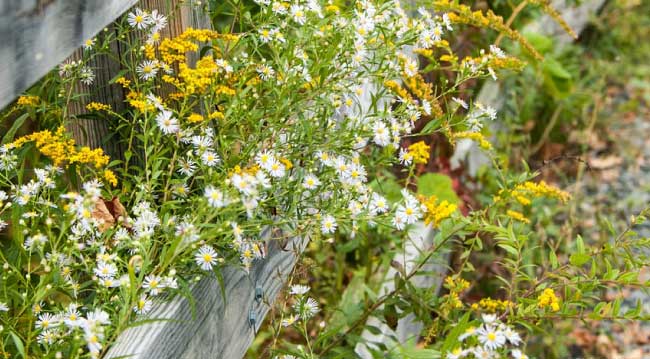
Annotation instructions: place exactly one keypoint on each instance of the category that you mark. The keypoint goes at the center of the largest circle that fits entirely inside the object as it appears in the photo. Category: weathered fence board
(36, 35)
(220, 328)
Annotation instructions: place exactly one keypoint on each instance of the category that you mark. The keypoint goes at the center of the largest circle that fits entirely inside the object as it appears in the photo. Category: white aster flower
(210, 158)
(167, 123)
(153, 284)
(311, 182)
(139, 19)
(215, 197)
(206, 257)
(298, 289)
(298, 14)
(490, 337)
(328, 224)
(147, 69)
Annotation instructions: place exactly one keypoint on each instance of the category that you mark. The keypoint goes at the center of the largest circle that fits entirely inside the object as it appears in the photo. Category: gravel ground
(618, 189)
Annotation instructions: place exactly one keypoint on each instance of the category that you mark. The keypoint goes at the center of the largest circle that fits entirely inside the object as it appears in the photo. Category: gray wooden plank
(219, 329)
(36, 35)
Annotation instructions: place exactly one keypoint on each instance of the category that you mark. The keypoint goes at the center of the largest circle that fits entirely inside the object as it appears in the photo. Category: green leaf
(552, 257)
(541, 43)
(509, 249)
(580, 244)
(18, 123)
(439, 185)
(579, 259)
(19, 343)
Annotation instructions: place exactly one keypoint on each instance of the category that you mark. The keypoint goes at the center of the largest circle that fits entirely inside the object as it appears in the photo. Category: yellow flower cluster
(456, 286)
(124, 82)
(138, 101)
(195, 118)
(398, 90)
(475, 136)
(536, 190)
(60, 150)
(463, 14)
(198, 79)
(517, 216)
(436, 212)
(217, 115)
(173, 50)
(424, 91)
(110, 177)
(419, 152)
(28, 100)
(548, 299)
(492, 305)
(96, 106)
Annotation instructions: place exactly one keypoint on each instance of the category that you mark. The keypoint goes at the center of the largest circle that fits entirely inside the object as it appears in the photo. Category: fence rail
(37, 35)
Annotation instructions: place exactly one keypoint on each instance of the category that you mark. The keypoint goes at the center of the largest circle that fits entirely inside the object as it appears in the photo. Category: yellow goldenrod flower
(110, 177)
(96, 106)
(548, 299)
(419, 152)
(475, 136)
(518, 216)
(28, 101)
(436, 212)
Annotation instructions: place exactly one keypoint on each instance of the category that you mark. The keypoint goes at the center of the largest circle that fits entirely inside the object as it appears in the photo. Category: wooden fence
(37, 35)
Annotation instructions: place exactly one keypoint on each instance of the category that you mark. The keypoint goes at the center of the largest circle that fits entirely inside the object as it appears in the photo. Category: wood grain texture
(219, 329)
(95, 132)
(491, 94)
(36, 35)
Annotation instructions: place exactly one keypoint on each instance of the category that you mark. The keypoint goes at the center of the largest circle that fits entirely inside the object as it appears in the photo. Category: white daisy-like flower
(186, 167)
(105, 270)
(328, 224)
(210, 158)
(410, 67)
(46, 321)
(215, 197)
(298, 14)
(308, 308)
(298, 289)
(88, 44)
(206, 257)
(290, 320)
(159, 21)
(462, 103)
(279, 8)
(517, 354)
(4, 307)
(264, 159)
(46, 337)
(153, 284)
(511, 335)
(483, 353)
(276, 169)
(265, 35)
(311, 182)
(378, 204)
(147, 69)
(139, 19)
(86, 75)
(381, 134)
(266, 72)
(456, 353)
(167, 123)
(490, 337)
(72, 318)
